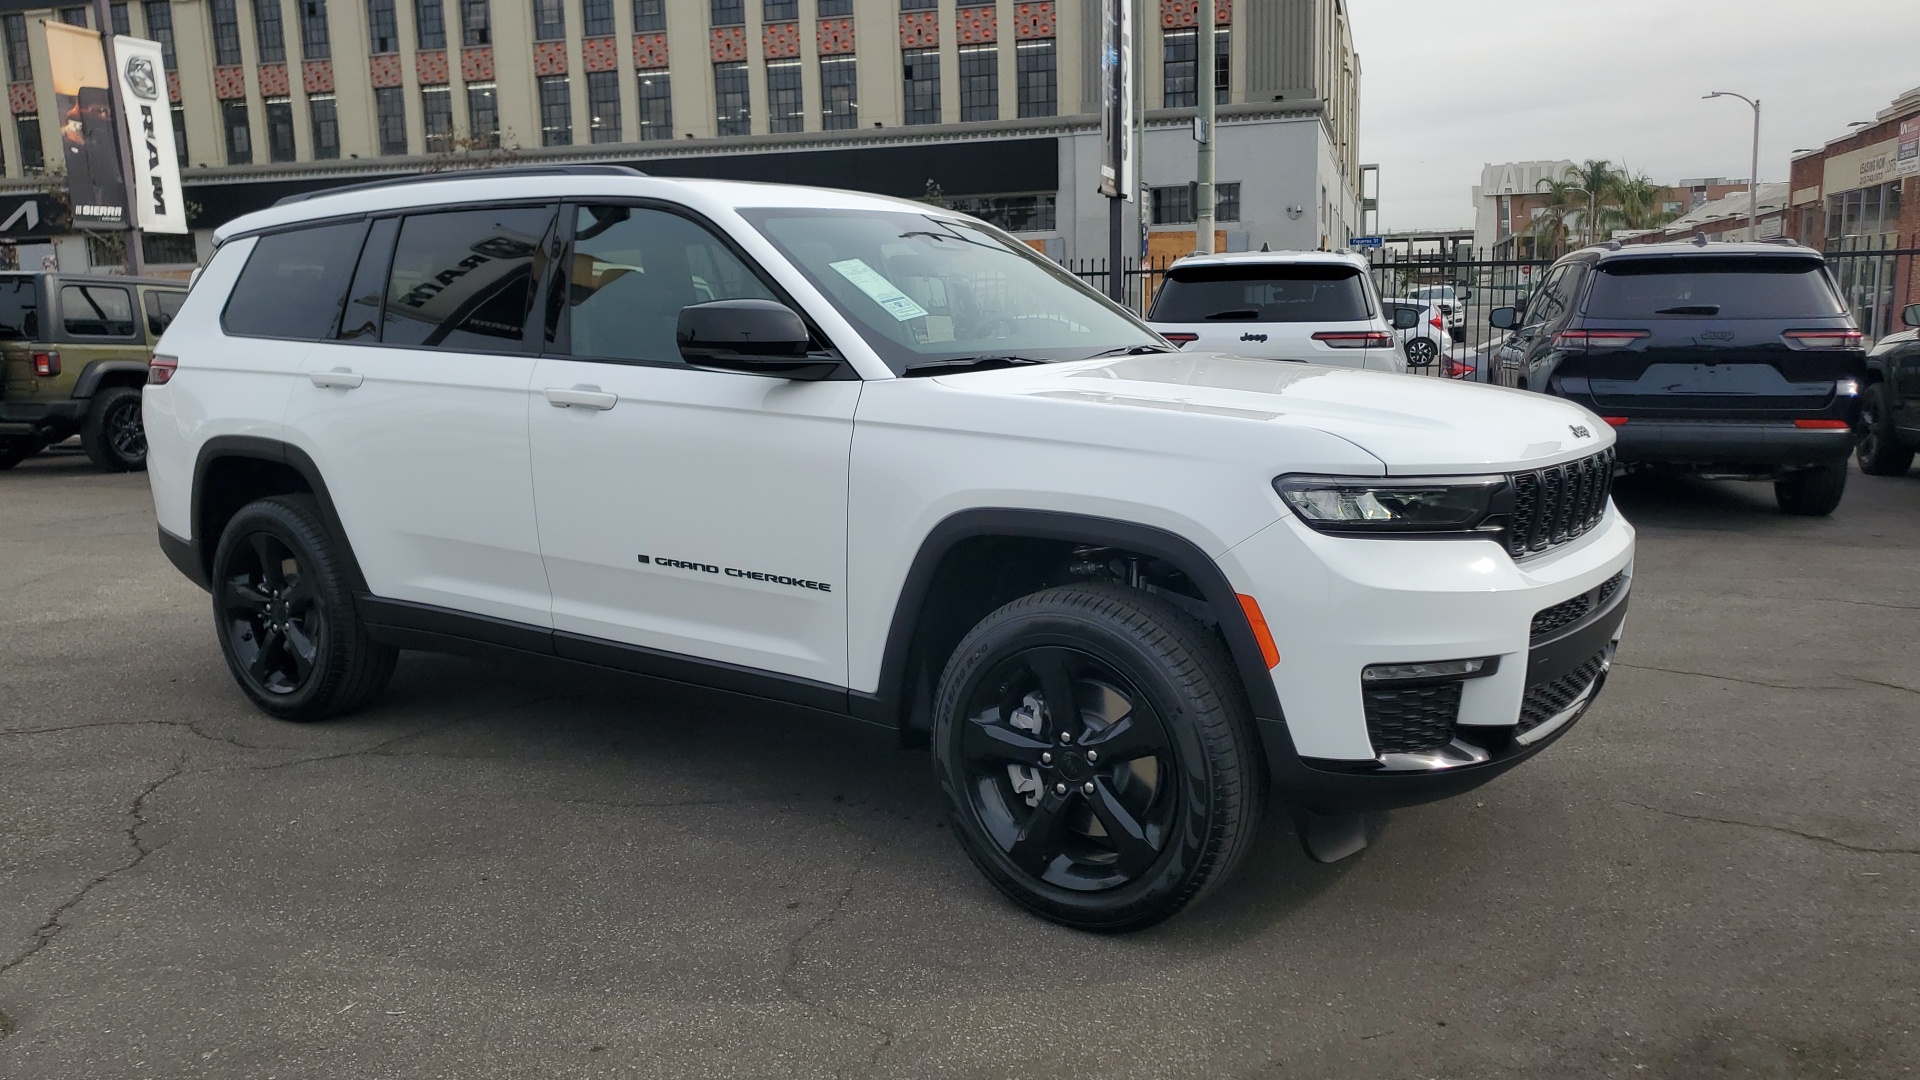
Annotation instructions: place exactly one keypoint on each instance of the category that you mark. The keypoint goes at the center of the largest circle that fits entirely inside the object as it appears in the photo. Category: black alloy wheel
(1421, 352)
(114, 436)
(272, 615)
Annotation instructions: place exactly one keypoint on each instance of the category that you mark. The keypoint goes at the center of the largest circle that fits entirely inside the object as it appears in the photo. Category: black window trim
(61, 300)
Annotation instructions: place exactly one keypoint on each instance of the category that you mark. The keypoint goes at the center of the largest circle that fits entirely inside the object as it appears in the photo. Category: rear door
(1272, 311)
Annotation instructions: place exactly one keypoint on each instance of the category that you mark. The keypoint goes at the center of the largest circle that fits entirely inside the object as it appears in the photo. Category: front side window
(556, 111)
(233, 117)
(293, 283)
(430, 23)
(383, 27)
(268, 33)
(390, 109)
(549, 20)
(656, 105)
(279, 128)
(928, 288)
(921, 68)
(1296, 293)
(980, 83)
(603, 106)
(466, 279)
(785, 109)
(226, 33)
(735, 108)
(96, 311)
(839, 93)
(436, 116)
(315, 43)
(1039, 79)
(325, 115)
(634, 269)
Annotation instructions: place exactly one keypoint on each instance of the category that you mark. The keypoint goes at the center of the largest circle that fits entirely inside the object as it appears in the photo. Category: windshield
(926, 288)
(1737, 287)
(1295, 293)
(19, 308)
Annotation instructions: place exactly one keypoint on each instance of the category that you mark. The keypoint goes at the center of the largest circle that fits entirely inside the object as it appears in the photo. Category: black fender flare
(222, 447)
(888, 705)
(96, 372)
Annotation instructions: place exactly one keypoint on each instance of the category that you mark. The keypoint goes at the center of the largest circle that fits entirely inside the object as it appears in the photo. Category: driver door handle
(585, 397)
(337, 379)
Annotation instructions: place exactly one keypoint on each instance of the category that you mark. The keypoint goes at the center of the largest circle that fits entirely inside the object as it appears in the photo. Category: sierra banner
(83, 98)
(157, 203)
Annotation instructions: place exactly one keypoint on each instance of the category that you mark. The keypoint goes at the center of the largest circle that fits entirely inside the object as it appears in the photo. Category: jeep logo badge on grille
(1580, 431)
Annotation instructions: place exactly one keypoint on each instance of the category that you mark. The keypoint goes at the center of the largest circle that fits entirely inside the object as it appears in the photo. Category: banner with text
(157, 202)
(83, 100)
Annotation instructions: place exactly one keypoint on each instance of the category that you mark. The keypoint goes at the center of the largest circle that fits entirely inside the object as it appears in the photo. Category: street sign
(26, 217)
(1366, 242)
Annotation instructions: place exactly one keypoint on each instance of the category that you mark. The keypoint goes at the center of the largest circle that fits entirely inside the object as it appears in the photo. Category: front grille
(1411, 720)
(1611, 586)
(1568, 612)
(1546, 700)
(1554, 505)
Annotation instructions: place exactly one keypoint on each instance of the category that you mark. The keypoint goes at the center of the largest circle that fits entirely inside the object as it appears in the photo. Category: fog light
(1434, 669)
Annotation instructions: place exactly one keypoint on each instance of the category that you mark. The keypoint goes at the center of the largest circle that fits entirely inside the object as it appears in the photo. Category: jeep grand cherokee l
(875, 457)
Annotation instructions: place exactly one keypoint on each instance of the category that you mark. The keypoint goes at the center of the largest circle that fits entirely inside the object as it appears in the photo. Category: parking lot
(515, 871)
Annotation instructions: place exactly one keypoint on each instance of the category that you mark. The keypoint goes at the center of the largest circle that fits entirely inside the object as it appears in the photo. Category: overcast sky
(1446, 88)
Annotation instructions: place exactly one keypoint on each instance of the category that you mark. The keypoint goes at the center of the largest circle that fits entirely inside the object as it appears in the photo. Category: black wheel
(1127, 803)
(1814, 492)
(113, 435)
(1880, 451)
(1421, 351)
(284, 613)
(15, 449)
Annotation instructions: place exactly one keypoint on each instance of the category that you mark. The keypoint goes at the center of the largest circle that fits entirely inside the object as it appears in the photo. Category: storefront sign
(1868, 166)
(1907, 158)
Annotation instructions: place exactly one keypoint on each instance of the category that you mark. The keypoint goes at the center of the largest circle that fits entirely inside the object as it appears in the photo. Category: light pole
(1753, 178)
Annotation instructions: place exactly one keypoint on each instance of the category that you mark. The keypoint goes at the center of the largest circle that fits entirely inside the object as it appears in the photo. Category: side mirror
(1465, 295)
(1405, 318)
(756, 337)
(1911, 316)
(1504, 318)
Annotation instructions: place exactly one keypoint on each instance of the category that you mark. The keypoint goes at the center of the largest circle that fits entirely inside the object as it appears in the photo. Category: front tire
(1133, 801)
(1880, 451)
(113, 436)
(1815, 492)
(284, 613)
(1421, 352)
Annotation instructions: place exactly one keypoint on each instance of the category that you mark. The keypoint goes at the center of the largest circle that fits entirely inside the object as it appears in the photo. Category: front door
(695, 513)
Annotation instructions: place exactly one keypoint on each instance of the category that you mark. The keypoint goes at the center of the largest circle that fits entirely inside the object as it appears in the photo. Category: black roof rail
(467, 174)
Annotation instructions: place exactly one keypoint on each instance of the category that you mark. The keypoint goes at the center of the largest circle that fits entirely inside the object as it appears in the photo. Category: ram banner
(83, 100)
(157, 203)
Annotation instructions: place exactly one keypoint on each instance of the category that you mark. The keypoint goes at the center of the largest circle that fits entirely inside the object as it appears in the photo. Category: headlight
(1342, 504)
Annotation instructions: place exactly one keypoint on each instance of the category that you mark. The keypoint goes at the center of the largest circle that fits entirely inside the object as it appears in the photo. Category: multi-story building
(991, 107)
(1860, 194)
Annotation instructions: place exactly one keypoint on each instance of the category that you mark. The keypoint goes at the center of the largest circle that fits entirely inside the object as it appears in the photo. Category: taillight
(1822, 425)
(1457, 370)
(46, 363)
(161, 369)
(1590, 340)
(1822, 340)
(1437, 323)
(1182, 340)
(1615, 421)
(1354, 339)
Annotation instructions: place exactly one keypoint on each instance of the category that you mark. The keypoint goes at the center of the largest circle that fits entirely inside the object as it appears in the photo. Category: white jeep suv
(1317, 306)
(874, 457)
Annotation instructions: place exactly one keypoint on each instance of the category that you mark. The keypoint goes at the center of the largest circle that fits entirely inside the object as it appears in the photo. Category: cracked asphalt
(512, 871)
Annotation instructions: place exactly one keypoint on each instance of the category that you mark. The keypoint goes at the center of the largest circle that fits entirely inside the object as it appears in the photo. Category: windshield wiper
(1691, 309)
(1130, 350)
(962, 363)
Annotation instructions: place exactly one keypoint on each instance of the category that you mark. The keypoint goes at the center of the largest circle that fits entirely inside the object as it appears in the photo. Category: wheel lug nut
(1093, 756)
(1046, 758)
(1087, 787)
(1066, 737)
(1059, 789)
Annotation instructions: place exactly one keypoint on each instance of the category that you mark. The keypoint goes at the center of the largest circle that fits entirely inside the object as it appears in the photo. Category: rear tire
(1151, 784)
(113, 435)
(1815, 492)
(283, 611)
(1880, 451)
(1421, 352)
(15, 449)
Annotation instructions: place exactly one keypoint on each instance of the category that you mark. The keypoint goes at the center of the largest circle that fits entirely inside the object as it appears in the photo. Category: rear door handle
(337, 379)
(585, 397)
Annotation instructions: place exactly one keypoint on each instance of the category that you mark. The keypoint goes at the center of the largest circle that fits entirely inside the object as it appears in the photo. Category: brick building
(1859, 195)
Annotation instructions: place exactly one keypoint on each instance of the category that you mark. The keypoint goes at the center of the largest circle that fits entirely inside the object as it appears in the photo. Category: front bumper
(1336, 606)
(1730, 442)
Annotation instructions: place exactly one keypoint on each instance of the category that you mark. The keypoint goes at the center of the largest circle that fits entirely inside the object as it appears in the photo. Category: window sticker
(867, 280)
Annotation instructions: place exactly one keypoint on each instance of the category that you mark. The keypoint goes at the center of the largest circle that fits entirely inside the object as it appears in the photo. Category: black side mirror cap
(1911, 316)
(755, 337)
(1504, 318)
(1405, 318)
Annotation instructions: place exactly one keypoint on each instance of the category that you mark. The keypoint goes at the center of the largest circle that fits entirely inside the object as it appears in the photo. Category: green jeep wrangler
(74, 351)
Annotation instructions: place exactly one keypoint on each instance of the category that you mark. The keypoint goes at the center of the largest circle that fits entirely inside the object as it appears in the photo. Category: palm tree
(1566, 199)
(1640, 200)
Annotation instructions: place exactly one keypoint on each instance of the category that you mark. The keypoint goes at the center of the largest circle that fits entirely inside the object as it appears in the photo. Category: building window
(1014, 213)
(734, 114)
(74, 16)
(556, 111)
(476, 27)
(383, 27)
(326, 126)
(163, 249)
(233, 117)
(1174, 205)
(1179, 53)
(436, 116)
(19, 56)
(32, 157)
(656, 106)
(180, 133)
(390, 112)
(1226, 202)
(268, 34)
(549, 20)
(603, 106)
(649, 15)
(729, 12)
(1037, 71)
(596, 17)
(780, 10)
(159, 15)
(279, 128)
(830, 8)
(919, 5)
(122, 23)
(786, 111)
(980, 83)
(430, 23)
(315, 44)
(922, 87)
(839, 93)
(483, 116)
(226, 34)
(1222, 58)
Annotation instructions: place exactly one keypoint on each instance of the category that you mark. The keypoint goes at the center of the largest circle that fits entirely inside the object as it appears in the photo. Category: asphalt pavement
(516, 871)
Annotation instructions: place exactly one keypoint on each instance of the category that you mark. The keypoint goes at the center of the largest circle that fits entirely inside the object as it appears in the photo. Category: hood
(1411, 423)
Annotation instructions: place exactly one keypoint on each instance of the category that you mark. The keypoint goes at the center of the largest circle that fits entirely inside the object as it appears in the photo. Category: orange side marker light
(1268, 650)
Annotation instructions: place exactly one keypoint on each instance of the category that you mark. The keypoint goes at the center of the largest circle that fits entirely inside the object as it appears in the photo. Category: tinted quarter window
(1289, 294)
(634, 269)
(96, 311)
(19, 309)
(364, 299)
(293, 283)
(1731, 287)
(161, 309)
(466, 279)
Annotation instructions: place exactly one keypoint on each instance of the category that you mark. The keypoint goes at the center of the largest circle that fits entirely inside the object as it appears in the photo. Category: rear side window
(466, 279)
(1285, 294)
(161, 309)
(1750, 287)
(293, 283)
(19, 309)
(96, 311)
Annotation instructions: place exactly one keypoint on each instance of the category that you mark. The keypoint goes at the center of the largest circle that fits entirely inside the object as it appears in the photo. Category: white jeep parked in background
(875, 457)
